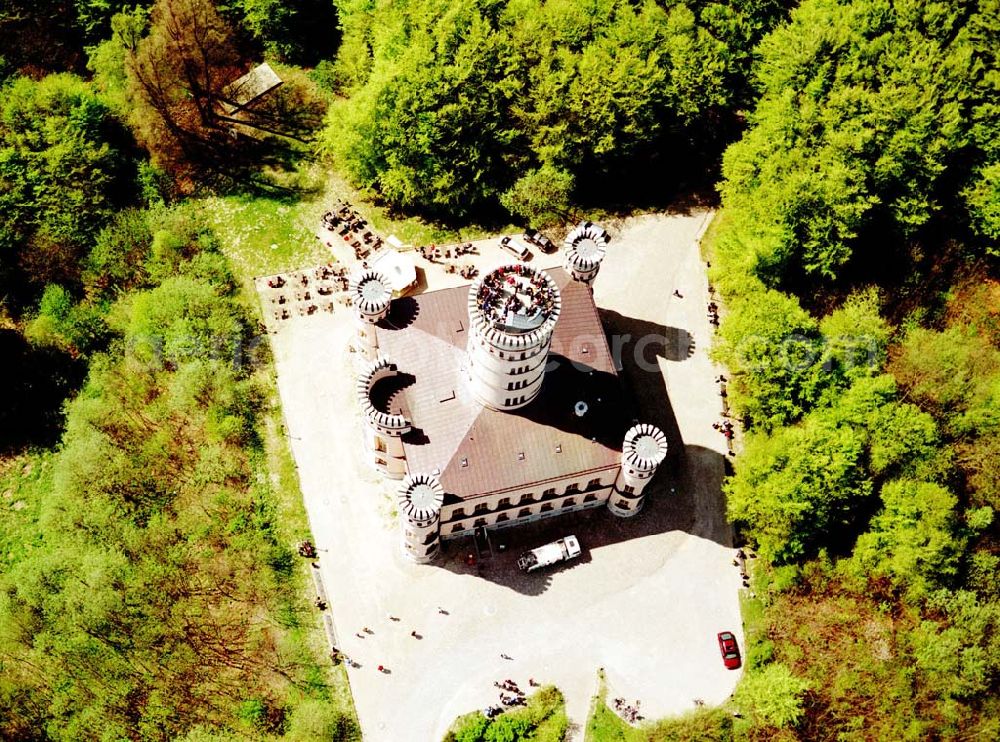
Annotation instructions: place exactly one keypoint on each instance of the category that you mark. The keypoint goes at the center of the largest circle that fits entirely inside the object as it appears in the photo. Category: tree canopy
(452, 102)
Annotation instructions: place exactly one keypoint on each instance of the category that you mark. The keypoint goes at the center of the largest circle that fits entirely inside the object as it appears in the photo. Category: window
(459, 513)
(523, 356)
(480, 522)
(549, 492)
(590, 498)
(481, 508)
(456, 528)
(510, 386)
(593, 484)
(546, 508)
(379, 444)
(575, 487)
(430, 537)
(524, 499)
(504, 502)
(502, 517)
(628, 490)
(624, 504)
(524, 513)
(569, 502)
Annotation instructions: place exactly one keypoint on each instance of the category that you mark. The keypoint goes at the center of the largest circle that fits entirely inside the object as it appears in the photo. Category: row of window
(505, 502)
(524, 513)
(518, 384)
(514, 400)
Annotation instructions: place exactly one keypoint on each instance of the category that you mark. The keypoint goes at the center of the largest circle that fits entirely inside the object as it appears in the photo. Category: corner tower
(383, 429)
(643, 451)
(512, 313)
(585, 249)
(420, 500)
(371, 294)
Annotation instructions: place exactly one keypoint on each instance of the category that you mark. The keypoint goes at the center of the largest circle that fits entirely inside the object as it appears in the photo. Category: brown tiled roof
(477, 450)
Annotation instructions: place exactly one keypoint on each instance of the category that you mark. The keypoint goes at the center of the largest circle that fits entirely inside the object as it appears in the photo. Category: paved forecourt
(644, 601)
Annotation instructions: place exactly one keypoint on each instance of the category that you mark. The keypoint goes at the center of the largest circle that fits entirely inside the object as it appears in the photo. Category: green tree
(73, 328)
(542, 196)
(913, 541)
(772, 696)
(803, 487)
(63, 173)
(861, 116)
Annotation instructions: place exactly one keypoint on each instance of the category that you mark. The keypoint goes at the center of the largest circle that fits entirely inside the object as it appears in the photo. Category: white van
(515, 247)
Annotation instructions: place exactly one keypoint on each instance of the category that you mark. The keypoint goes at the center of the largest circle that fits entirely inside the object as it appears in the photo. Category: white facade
(512, 312)
(643, 451)
(579, 491)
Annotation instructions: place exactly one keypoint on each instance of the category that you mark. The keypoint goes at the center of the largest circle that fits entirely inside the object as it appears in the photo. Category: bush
(771, 696)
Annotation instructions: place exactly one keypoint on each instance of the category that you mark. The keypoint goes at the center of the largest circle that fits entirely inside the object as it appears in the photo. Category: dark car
(534, 237)
(730, 650)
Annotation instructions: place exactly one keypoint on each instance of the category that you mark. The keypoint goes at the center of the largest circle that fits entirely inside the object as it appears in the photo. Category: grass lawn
(700, 725)
(264, 235)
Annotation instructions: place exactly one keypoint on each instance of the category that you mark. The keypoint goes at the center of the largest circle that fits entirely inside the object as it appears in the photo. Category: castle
(498, 403)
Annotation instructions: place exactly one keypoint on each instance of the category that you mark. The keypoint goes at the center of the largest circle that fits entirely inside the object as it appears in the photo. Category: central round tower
(512, 313)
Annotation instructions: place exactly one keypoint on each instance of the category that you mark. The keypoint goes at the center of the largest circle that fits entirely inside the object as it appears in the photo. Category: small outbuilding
(396, 267)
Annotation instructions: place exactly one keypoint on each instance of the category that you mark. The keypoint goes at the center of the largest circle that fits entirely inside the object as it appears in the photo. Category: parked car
(730, 650)
(534, 237)
(515, 247)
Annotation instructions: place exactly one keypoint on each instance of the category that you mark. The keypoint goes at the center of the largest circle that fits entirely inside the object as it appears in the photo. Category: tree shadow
(35, 382)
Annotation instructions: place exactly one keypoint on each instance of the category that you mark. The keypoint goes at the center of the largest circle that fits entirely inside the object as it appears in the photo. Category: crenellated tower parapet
(371, 296)
(585, 246)
(644, 449)
(512, 313)
(420, 499)
(383, 429)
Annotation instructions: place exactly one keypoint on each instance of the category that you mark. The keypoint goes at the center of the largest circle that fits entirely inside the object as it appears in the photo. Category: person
(413, 634)
(381, 669)
(678, 294)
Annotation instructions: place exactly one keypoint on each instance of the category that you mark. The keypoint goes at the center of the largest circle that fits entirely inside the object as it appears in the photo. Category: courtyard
(646, 598)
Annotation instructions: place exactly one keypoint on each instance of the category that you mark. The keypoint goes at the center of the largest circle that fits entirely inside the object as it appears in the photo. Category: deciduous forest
(148, 504)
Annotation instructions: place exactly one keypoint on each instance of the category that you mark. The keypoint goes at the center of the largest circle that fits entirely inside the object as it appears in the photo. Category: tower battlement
(512, 313)
(643, 450)
(420, 499)
(586, 246)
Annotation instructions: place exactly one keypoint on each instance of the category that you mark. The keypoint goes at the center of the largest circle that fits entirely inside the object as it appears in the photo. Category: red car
(730, 650)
